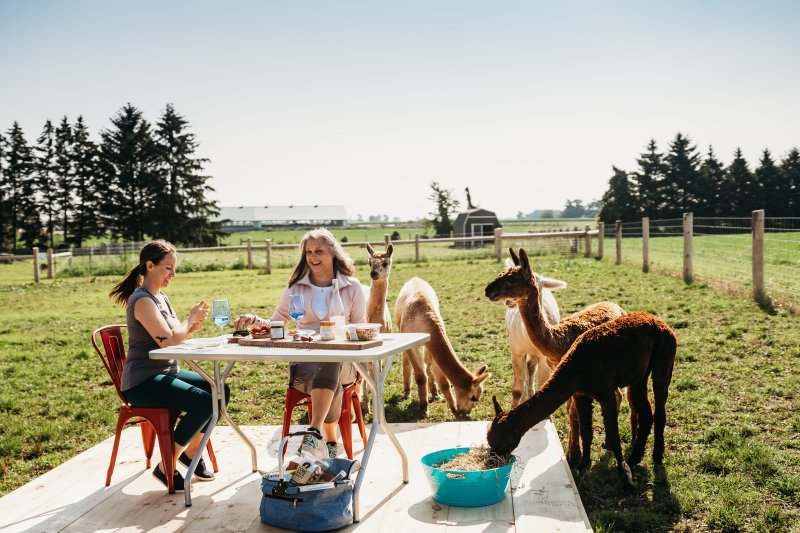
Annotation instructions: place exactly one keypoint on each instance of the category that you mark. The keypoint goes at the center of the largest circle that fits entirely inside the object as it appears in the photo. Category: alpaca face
(466, 401)
(517, 282)
(503, 437)
(380, 263)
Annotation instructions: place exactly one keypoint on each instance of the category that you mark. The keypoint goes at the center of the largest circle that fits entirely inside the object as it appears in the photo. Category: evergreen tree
(573, 209)
(712, 173)
(737, 183)
(183, 208)
(790, 176)
(619, 202)
(5, 204)
(648, 181)
(62, 168)
(129, 160)
(772, 193)
(21, 180)
(45, 180)
(86, 220)
(446, 207)
(681, 180)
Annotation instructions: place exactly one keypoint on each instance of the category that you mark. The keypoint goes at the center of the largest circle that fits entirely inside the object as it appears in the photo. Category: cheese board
(306, 345)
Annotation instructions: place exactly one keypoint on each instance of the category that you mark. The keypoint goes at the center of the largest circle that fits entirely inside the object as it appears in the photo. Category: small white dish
(203, 342)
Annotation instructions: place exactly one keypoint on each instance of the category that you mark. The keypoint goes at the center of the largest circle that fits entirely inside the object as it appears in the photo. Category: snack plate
(202, 342)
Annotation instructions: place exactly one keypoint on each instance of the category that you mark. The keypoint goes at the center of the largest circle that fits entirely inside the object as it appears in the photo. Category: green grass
(733, 418)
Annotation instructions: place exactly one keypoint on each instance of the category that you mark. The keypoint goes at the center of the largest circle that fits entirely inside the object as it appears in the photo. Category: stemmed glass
(221, 314)
(297, 309)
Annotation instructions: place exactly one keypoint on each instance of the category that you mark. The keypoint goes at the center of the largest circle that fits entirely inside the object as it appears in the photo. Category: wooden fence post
(249, 252)
(759, 293)
(688, 234)
(386, 240)
(587, 242)
(618, 238)
(91, 254)
(601, 229)
(36, 264)
(50, 266)
(71, 254)
(416, 247)
(269, 256)
(498, 244)
(645, 244)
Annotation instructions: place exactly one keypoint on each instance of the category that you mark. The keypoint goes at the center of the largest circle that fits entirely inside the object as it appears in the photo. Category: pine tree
(446, 207)
(770, 179)
(129, 167)
(648, 181)
(737, 183)
(183, 207)
(25, 221)
(619, 202)
(62, 168)
(5, 204)
(712, 173)
(681, 179)
(790, 176)
(45, 179)
(86, 220)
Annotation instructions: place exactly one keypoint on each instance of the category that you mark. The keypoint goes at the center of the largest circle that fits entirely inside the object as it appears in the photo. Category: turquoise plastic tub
(465, 489)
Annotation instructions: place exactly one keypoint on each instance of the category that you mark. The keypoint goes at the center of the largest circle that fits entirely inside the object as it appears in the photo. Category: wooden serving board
(315, 345)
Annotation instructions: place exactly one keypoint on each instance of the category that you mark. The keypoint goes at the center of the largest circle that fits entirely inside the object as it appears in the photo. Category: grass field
(733, 434)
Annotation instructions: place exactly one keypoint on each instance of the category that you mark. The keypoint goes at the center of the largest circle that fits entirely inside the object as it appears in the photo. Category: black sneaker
(177, 478)
(201, 472)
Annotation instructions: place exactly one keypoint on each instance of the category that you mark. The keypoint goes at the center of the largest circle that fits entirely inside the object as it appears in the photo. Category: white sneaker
(333, 449)
(313, 446)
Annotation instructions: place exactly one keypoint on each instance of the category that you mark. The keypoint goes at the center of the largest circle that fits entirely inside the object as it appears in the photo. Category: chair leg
(166, 445)
(120, 424)
(210, 450)
(359, 418)
(148, 439)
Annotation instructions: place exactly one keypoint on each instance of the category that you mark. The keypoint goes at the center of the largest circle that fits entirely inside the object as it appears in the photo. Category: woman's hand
(197, 315)
(243, 321)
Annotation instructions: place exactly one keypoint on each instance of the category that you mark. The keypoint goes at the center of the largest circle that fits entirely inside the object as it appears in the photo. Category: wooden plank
(545, 497)
(310, 345)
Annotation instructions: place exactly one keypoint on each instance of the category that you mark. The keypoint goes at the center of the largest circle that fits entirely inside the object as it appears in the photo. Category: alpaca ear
(480, 378)
(481, 370)
(497, 409)
(389, 250)
(524, 264)
(370, 250)
(513, 256)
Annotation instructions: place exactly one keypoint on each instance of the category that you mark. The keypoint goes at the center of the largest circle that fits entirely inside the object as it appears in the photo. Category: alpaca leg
(637, 398)
(660, 393)
(421, 379)
(433, 393)
(573, 445)
(519, 386)
(532, 362)
(608, 406)
(583, 407)
(618, 396)
(407, 370)
(542, 371)
(444, 386)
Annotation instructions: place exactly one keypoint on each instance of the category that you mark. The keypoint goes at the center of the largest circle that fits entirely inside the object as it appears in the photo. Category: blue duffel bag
(313, 507)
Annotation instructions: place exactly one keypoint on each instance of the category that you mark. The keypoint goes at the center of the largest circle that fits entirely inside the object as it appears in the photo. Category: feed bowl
(363, 331)
(463, 488)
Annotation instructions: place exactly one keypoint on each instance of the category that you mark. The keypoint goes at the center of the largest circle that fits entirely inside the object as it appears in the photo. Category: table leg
(216, 386)
(231, 423)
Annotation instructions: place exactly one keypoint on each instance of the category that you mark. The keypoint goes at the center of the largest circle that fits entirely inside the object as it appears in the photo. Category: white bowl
(363, 331)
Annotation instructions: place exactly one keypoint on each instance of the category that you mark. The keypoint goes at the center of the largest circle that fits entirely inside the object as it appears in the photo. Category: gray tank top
(138, 366)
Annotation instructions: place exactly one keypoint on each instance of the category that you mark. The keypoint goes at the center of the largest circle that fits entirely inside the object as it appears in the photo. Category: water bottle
(336, 312)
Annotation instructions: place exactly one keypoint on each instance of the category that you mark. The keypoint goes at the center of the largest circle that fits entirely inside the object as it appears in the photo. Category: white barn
(276, 216)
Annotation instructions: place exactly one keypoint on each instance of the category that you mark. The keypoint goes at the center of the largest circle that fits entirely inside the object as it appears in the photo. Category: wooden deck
(73, 497)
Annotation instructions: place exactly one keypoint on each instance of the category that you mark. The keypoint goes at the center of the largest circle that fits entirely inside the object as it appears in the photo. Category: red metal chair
(351, 403)
(160, 420)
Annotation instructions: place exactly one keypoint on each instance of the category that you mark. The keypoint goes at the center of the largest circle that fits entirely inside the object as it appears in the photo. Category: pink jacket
(355, 306)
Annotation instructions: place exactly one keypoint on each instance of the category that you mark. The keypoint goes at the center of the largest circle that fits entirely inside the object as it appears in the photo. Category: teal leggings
(186, 392)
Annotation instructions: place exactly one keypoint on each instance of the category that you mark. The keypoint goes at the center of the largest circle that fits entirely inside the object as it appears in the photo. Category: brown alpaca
(417, 310)
(619, 353)
(520, 285)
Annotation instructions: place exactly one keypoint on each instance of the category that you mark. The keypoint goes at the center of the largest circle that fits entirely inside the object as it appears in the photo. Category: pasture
(733, 423)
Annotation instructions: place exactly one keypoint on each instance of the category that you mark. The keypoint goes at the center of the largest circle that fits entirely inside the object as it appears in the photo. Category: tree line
(666, 185)
(140, 181)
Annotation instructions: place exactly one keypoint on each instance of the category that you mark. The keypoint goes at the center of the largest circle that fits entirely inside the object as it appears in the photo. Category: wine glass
(297, 309)
(221, 314)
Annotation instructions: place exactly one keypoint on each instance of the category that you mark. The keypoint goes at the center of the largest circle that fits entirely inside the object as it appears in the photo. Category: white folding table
(381, 357)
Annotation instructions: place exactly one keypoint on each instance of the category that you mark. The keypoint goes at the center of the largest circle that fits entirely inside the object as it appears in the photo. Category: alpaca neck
(442, 352)
(557, 390)
(544, 336)
(377, 300)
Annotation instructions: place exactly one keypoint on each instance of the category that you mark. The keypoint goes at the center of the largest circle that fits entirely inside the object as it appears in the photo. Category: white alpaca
(526, 359)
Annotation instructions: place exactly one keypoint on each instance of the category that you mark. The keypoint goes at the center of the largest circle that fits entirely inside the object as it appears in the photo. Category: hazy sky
(365, 103)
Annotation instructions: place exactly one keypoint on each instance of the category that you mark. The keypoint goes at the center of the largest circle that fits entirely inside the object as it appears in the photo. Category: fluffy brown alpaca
(621, 353)
(521, 285)
(417, 310)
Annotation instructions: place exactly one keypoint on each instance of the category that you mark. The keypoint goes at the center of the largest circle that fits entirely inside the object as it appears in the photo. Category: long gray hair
(342, 262)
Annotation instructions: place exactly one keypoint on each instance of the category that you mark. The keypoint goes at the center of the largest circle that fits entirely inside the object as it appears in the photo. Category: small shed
(475, 222)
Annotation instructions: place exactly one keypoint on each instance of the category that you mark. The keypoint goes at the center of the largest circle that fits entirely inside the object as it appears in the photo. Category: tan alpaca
(519, 284)
(380, 265)
(623, 352)
(417, 310)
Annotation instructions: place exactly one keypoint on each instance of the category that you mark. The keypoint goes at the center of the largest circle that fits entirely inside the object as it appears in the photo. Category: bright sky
(363, 104)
